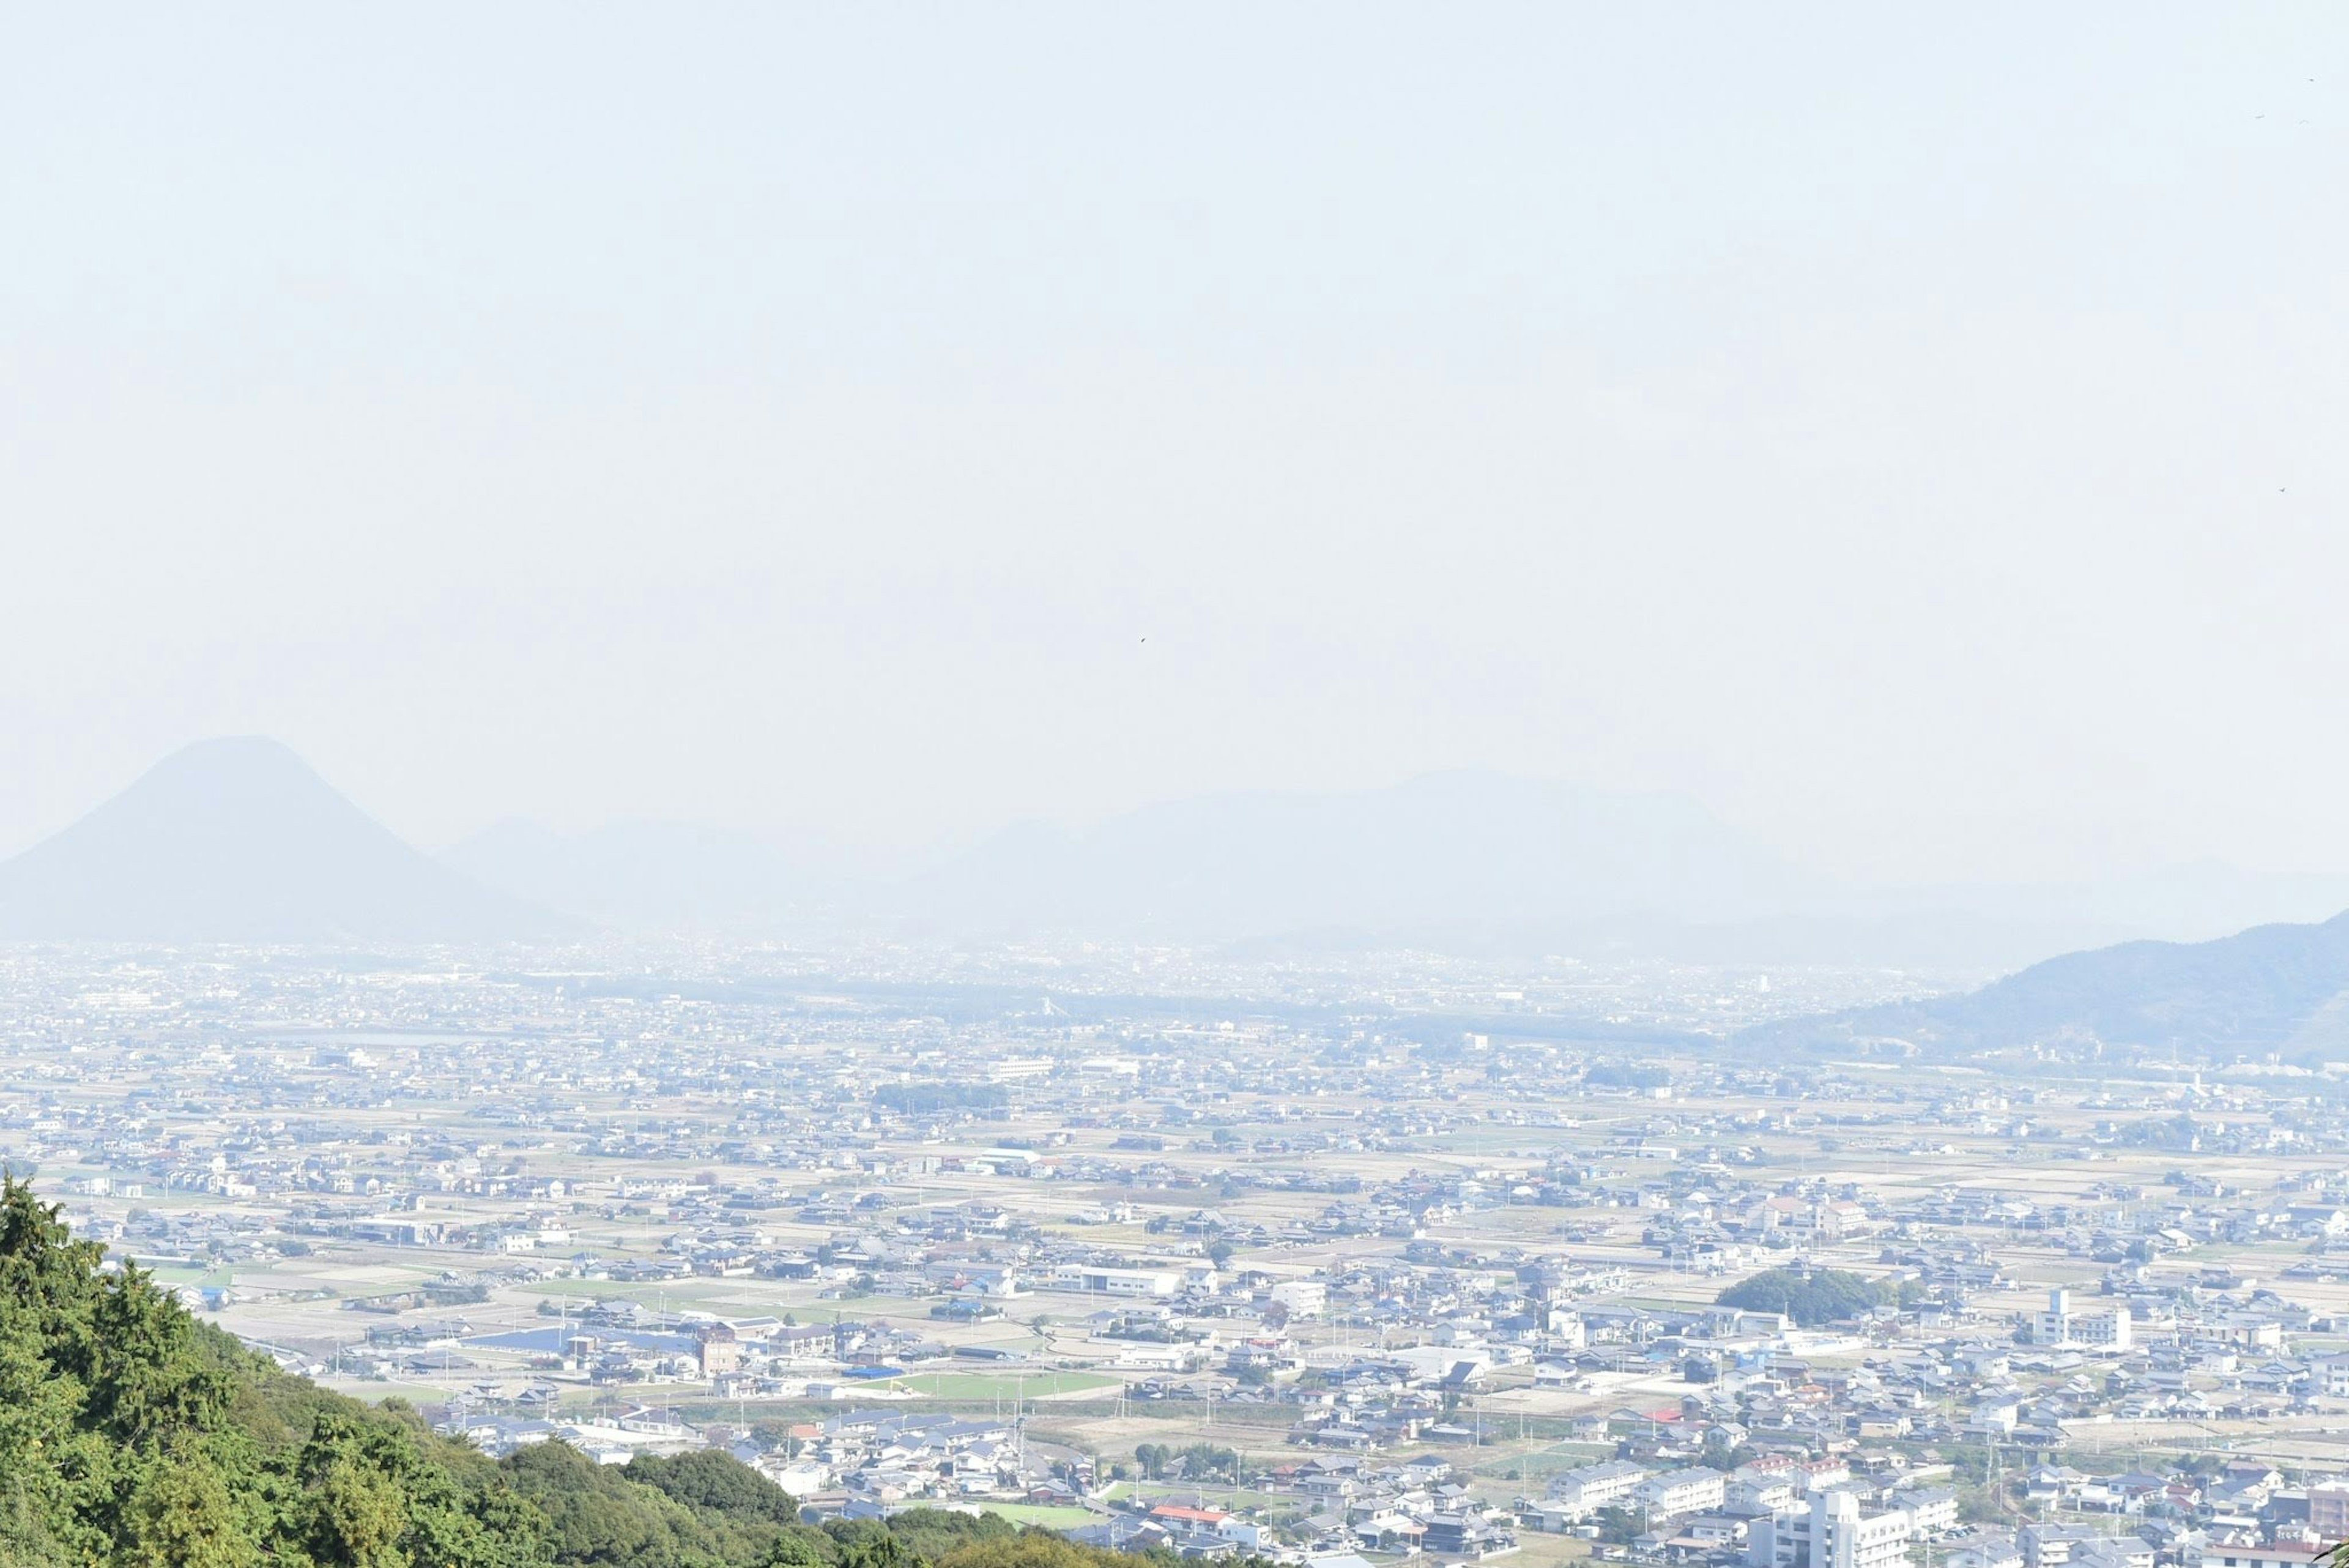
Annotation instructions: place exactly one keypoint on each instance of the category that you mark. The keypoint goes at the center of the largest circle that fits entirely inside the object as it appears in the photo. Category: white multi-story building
(1931, 1513)
(1831, 1533)
(2059, 1325)
(1582, 1493)
(1692, 1490)
(1842, 1537)
(1301, 1298)
(1752, 1497)
(2113, 1329)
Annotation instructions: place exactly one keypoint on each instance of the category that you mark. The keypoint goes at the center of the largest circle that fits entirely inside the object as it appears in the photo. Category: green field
(599, 1288)
(375, 1393)
(181, 1274)
(1190, 1494)
(998, 1385)
(698, 1291)
(1547, 1461)
(1026, 1513)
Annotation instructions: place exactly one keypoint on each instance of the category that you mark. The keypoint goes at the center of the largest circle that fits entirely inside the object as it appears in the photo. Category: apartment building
(1582, 1493)
(1832, 1532)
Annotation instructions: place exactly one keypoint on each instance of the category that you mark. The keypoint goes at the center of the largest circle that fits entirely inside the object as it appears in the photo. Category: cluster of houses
(1773, 1510)
(1875, 1510)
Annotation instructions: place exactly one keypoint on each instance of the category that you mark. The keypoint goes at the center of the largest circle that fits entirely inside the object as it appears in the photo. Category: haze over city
(1300, 786)
(1910, 443)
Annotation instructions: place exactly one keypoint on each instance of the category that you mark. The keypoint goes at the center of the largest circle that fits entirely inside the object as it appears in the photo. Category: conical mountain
(238, 840)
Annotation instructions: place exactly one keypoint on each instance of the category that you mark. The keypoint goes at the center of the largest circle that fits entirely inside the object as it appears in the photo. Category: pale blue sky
(1915, 435)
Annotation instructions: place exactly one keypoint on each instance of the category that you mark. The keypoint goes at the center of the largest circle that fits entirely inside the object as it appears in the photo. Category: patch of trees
(1618, 1526)
(918, 1099)
(1197, 1462)
(1614, 1076)
(1820, 1296)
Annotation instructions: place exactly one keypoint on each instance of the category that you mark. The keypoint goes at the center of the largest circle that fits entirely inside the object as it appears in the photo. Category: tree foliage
(129, 1433)
(1820, 1296)
(133, 1436)
(918, 1099)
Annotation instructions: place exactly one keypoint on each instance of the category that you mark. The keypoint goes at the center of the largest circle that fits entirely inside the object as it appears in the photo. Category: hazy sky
(1919, 437)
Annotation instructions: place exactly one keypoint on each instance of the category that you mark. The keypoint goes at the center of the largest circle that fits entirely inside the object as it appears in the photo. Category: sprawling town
(1343, 1262)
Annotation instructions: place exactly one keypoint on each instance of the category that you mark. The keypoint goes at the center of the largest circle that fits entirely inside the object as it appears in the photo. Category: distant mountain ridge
(1462, 850)
(1474, 862)
(645, 876)
(2274, 988)
(237, 840)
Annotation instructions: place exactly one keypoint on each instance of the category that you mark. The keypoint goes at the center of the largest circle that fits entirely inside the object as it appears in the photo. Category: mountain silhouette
(645, 876)
(1452, 851)
(2280, 989)
(237, 840)
(1467, 862)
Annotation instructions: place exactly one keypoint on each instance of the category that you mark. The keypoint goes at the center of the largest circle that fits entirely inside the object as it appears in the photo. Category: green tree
(1205, 1461)
(184, 1515)
(879, 1550)
(1617, 1526)
(131, 1434)
(595, 1514)
(1811, 1298)
(709, 1481)
(357, 1517)
(794, 1549)
(1033, 1549)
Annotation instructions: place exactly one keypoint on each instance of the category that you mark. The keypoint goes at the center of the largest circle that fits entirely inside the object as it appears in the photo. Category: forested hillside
(131, 1434)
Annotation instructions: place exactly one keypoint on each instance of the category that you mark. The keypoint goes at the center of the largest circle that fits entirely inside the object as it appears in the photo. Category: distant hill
(2280, 988)
(237, 840)
(644, 876)
(1458, 852)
